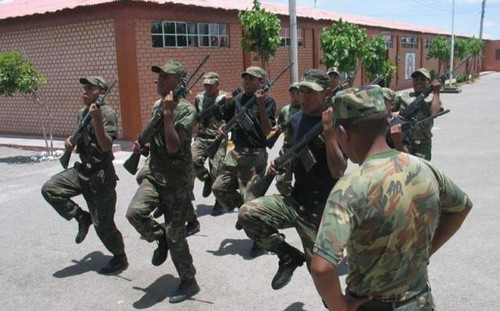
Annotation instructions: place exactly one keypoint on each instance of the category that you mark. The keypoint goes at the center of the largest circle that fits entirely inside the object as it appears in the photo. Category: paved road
(43, 269)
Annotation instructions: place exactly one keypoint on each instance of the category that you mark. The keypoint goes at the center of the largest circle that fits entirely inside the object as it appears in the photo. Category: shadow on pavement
(296, 306)
(18, 160)
(160, 289)
(234, 247)
(91, 262)
(203, 209)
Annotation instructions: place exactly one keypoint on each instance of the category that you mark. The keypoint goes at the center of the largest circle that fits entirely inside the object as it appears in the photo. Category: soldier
(94, 177)
(247, 161)
(302, 208)
(422, 135)
(398, 135)
(284, 181)
(168, 182)
(390, 214)
(193, 225)
(211, 119)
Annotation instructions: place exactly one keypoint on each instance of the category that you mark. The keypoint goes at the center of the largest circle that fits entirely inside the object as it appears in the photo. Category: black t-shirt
(253, 138)
(311, 189)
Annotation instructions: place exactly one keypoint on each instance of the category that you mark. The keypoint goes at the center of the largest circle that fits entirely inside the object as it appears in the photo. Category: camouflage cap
(294, 85)
(211, 78)
(358, 102)
(95, 80)
(423, 72)
(255, 72)
(315, 79)
(171, 66)
(388, 94)
(333, 70)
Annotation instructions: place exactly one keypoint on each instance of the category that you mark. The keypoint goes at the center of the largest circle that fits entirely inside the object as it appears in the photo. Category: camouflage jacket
(202, 102)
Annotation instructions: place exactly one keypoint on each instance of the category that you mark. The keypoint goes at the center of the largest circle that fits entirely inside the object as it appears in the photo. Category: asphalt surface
(43, 269)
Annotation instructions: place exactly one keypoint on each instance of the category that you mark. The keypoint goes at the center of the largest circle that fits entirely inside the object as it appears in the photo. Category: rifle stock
(75, 138)
(145, 137)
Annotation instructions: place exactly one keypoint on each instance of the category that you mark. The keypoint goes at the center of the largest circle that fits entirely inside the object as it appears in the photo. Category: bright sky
(431, 13)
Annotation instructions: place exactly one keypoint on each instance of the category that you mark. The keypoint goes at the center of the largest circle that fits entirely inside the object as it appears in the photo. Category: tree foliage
(19, 75)
(374, 58)
(343, 45)
(261, 32)
(440, 49)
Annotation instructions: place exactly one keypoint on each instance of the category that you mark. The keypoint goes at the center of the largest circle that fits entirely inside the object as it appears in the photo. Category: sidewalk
(38, 143)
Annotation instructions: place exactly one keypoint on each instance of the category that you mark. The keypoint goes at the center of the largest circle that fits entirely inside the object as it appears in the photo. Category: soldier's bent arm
(449, 223)
(173, 137)
(436, 101)
(336, 160)
(103, 139)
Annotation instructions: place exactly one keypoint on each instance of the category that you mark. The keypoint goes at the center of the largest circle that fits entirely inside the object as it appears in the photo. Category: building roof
(20, 8)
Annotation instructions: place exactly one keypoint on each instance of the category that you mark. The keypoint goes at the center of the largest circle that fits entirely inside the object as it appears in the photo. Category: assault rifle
(241, 118)
(419, 102)
(145, 137)
(271, 140)
(298, 150)
(75, 138)
(414, 122)
(207, 113)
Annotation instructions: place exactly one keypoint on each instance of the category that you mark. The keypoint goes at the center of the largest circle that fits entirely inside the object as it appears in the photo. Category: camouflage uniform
(247, 161)
(284, 181)
(95, 179)
(384, 214)
(421, 135)
(168, 183)
(206, 136)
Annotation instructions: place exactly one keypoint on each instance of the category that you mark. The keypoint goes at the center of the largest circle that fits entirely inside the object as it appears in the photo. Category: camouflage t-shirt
(202, 102)
(88, 147)
(384, 214)
(422, 132)
(285, 114)
(173, 170)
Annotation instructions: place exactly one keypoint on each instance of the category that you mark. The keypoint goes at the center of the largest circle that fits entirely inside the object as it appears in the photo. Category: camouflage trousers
(175, 204)
(98, 190)
(422, 149)
(141, 174)
(422, 302)
(198, 148)
(261, 218)
(238, 173)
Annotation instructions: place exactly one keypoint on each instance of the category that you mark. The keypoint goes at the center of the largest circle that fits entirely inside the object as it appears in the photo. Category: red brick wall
(490, 62)
(62, 54)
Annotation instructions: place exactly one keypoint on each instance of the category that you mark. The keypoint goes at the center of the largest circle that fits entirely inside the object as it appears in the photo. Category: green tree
(343, 45)
(20, 75)
(261, 32)
(440, 49)
(374, 57)
(474, 47)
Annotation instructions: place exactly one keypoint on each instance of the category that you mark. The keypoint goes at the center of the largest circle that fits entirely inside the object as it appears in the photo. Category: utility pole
(292, 8)
(482, 20)
(452, 41)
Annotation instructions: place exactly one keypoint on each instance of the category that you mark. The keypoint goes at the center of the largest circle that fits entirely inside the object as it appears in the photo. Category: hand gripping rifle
(75, 138)
(418, 103)
(241, 118)
(145, 137)
(207, 113)
(414, 122)
(299, 150)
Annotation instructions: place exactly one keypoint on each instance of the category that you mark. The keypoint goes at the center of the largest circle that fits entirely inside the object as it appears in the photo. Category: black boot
(218, 209)
(117, 264)
(207, 187)
(186, 290)
(192, 227)
(160, 254)
(256, 250)
(290, 259)
(158, 212)
(84, 221)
